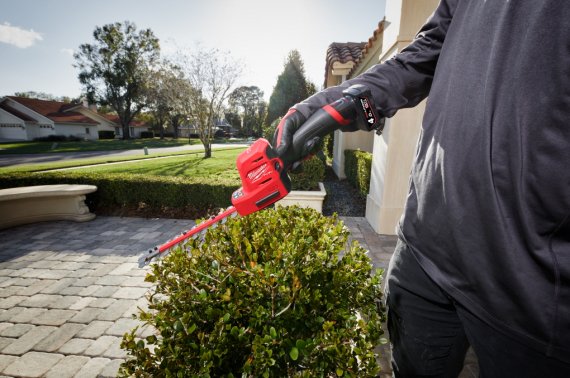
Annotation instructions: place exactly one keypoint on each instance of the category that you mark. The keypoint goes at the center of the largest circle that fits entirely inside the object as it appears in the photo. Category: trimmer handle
(354, 111)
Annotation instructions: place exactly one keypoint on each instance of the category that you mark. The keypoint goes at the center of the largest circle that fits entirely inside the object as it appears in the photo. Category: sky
(38, 37)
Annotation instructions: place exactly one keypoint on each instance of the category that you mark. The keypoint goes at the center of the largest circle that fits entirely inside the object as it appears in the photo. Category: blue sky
(37, 38)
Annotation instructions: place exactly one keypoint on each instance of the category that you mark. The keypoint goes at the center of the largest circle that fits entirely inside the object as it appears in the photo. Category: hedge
(159, 195)
(357, 167)
(106, 134)
(312, 171)
(257, 297)
(58, 138)
(147, 134)
(119, 190)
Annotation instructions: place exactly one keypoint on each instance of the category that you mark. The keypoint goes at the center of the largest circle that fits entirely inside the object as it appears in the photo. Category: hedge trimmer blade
(162, 250)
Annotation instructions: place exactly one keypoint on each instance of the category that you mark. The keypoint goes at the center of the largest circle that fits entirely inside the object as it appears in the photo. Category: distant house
(23, 118)
(135, 127)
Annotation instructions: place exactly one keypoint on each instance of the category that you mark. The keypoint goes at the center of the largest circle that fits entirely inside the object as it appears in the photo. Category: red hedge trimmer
(264, 174)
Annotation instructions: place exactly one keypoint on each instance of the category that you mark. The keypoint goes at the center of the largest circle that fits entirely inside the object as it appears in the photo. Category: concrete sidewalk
(68, 290)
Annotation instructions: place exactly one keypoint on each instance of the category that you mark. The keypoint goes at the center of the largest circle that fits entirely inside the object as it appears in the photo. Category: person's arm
(404, 80)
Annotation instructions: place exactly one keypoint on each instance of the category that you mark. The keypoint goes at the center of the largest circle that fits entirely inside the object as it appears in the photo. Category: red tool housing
(263, 176)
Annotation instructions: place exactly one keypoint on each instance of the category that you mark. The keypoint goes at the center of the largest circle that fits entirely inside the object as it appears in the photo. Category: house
(393, 151)
(23, 118)
(135, 127)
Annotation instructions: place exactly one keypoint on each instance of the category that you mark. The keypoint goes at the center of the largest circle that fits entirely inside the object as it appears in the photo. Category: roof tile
(115, 119)
(54, 110)
(368, 45)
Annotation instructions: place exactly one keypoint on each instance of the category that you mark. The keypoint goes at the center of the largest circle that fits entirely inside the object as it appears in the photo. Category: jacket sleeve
(402, 81)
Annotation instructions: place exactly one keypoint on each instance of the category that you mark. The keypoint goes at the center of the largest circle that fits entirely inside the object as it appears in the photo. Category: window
(87, 130)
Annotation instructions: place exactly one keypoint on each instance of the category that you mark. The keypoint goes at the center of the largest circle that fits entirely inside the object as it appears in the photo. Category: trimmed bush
(59, 138)
(265, 295)
(117, 190)
(328, 145)
(147, 134)
(357, 167)
(106, 134)
(313, 171)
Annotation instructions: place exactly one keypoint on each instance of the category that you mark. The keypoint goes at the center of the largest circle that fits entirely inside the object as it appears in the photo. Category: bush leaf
(294, 353)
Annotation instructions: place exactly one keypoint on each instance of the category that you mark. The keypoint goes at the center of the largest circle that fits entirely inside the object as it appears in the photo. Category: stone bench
(31, 204)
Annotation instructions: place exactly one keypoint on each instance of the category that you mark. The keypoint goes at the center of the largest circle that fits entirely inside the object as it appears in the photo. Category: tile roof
(54, 110)
(343, 52)
(115, 119)
(377, 33)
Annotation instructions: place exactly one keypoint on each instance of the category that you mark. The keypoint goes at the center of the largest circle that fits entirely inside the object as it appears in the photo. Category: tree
(261, 115)
(211, 74)
(233, 118)
(291, 88)
(114, 68)
(165, 96)
(46, 96)
(249, 103)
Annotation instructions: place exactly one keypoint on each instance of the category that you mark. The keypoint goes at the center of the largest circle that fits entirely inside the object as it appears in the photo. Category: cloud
(14, 35)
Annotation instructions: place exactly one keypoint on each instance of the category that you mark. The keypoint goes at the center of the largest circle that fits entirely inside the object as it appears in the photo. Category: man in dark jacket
(484, 250)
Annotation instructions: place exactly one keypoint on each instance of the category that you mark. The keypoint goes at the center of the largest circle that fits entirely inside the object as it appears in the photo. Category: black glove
(283, 137)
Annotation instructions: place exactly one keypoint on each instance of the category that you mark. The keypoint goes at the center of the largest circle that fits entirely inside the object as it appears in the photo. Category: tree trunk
(126, 133)
(174, 122)
(207, 150)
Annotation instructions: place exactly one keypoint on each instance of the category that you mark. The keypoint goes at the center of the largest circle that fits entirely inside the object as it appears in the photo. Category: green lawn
(103, 160)
(96, 145)
(221, 164)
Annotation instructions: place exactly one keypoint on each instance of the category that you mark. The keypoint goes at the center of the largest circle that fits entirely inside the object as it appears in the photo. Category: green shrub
(269, 130)
(313, 171)
(116, 190)
(106, 134)
(147, 134)
(357, 167)
(328, 145)
(58, 138)
(265, 295)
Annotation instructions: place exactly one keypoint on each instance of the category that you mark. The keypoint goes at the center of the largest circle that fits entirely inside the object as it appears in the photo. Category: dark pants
(430, 332)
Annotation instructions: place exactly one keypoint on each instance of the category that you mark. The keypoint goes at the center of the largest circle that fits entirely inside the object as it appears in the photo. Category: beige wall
(394, 150)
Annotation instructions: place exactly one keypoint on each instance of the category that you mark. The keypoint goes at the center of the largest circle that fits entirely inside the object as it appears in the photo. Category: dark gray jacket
(488, 210)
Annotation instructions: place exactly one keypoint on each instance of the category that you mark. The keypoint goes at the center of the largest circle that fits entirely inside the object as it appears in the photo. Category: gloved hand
(283, 137)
